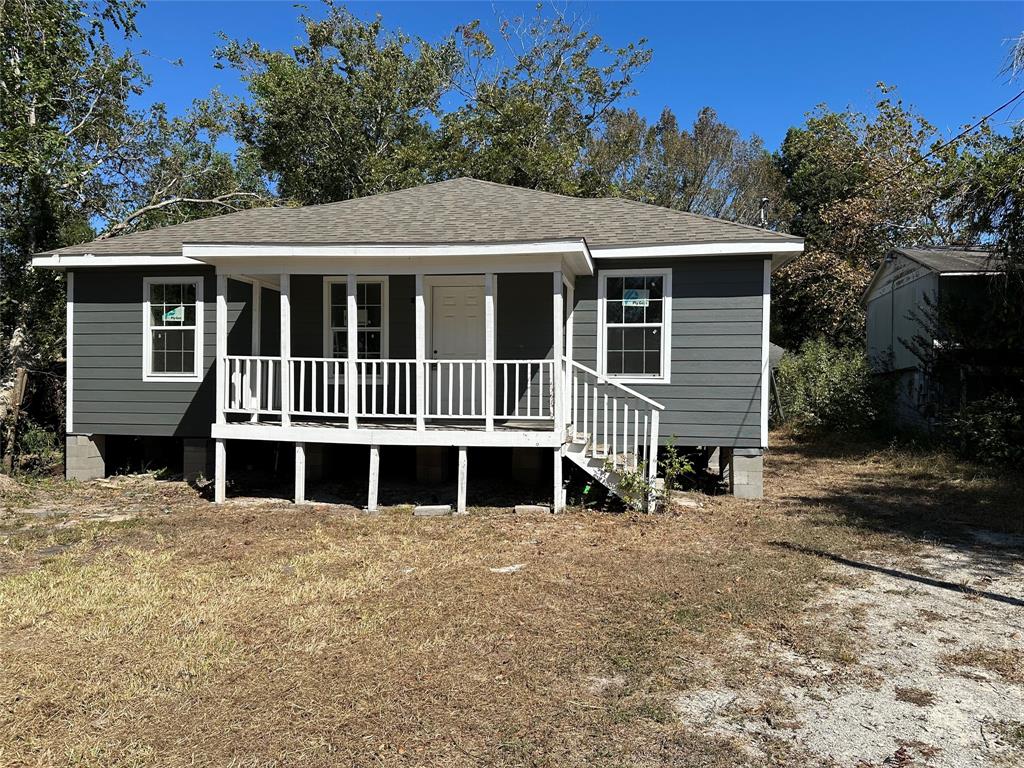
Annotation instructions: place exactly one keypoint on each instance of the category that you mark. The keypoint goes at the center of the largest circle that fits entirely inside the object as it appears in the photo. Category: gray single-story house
(453, 315)
(900, 304)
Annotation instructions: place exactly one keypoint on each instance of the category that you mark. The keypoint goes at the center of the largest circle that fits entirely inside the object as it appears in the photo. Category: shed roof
(945, 260)
(459, 211)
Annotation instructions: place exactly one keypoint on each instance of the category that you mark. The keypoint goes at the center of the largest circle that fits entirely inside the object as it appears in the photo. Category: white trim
(300, 473)
(471, 438)
(421, 352)
(766, 304)
(88, 260)
(285, 346)
(490, 339)
(557, 353)
(220, 378)
(666, 319)
(69, 356)
(385, 293)
(736, 248)
(147, 337)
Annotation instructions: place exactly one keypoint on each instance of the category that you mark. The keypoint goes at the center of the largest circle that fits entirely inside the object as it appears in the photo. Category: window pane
(654, 311)
(190, 315)
(369, 344)
(158, 362)
(159, 341)
(633, 362)
(614, 288)
(174, 362)
(614, 309)
(652, 363)
(633, 339)
(337, 316)
(340, 344)
(172, 294)
(615, 338)
(633, 315)
(614, 362)
(338, 294)
(656, 287)
(189, 293)
(371, 317)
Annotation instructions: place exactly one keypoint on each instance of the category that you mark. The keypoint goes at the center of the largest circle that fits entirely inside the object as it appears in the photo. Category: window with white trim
(173, 328)
(636, 315)
(371, 320)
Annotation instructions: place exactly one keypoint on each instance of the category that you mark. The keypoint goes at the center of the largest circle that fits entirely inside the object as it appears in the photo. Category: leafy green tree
(346, 113)
(64, 115)
(860, 185)
(707, 169)
(75, 155)
(532, 100)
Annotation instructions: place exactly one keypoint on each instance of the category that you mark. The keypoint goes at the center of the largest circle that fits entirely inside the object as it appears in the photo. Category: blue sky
(761, 66)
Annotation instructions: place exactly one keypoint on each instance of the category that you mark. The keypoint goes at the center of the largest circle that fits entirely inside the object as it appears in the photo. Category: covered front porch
(410, 346)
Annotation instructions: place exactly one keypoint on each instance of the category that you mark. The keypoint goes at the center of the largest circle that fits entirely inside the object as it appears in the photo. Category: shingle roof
(451, 212)
(944, 260)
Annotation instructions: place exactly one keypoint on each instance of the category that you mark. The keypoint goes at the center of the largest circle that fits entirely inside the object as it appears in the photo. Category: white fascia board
(736, 248)
(58, 261)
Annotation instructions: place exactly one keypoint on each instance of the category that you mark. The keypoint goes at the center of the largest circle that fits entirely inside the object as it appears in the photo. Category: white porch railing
(386, 389)
(614, 422)
(253, 385)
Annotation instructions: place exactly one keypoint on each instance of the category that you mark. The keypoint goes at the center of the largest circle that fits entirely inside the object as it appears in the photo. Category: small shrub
(38, 449)
(990, 431)
(636, 489)
(823, 387)
(675, 467)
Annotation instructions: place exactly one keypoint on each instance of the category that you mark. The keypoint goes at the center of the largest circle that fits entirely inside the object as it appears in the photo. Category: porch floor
(524, 425)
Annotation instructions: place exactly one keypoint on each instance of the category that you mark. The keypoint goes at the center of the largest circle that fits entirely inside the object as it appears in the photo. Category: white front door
(457, 333)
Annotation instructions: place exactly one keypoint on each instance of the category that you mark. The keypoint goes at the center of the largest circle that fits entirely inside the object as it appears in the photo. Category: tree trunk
(11, 423)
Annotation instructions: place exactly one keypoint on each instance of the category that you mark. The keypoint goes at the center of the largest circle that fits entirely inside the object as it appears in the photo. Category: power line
(941, 145)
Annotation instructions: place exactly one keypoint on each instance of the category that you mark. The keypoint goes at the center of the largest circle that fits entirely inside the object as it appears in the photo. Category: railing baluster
(462, 390)
(472, 390)
(408, 390)
(593, 432)
(437, 386)
(540, 390)
(517, 390)
(647, 458)
(626, 435)
(614, 432)
(586, 405)
(606, 425)
(504, 390)
(373, 387)
(636, 433)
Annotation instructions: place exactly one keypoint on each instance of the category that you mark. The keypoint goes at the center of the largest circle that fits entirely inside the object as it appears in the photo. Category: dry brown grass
(262, 635)
(1007, 663)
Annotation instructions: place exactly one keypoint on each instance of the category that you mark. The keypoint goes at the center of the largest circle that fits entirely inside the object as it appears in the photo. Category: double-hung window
(371, 320)
(635, 311)
(172, 346)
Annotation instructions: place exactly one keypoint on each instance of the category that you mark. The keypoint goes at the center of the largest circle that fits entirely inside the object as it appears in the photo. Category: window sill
(620, 379)
(172, 378)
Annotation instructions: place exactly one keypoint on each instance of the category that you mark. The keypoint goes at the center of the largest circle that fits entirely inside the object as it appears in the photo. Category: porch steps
(600, 467)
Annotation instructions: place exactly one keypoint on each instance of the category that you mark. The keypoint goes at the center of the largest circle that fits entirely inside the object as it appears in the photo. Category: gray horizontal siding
(110, 396)
(714, 397)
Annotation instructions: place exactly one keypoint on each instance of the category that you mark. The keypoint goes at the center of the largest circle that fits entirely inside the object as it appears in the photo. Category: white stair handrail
(611, 382)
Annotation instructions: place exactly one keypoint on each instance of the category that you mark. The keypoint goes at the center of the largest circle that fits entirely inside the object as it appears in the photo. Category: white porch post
(219, 471)
(460, 498)
(421, 354)
(222, 345)
(489, 341)
(286, 349)
(352, 337)
(374, 484)
(558, 497)
(557, 374)
(300, 473)
(569, 391)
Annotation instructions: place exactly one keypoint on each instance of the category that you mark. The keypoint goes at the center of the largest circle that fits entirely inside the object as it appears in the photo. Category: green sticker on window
(178, 313)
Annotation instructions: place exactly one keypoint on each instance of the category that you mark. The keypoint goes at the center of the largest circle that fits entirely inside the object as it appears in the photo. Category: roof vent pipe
(763, 211)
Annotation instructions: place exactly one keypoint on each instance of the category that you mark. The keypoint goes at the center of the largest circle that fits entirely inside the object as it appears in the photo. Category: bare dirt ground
(869, 612)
